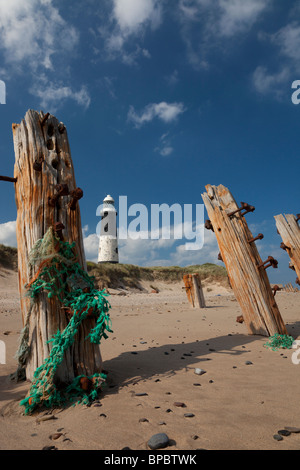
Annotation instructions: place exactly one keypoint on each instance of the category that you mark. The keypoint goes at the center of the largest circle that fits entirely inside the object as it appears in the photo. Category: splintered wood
(288, 228)
(43, 161)
(248, 278)
(194, 290)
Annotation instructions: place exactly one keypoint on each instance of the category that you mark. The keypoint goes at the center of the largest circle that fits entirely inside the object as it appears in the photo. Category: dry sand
(157, 343)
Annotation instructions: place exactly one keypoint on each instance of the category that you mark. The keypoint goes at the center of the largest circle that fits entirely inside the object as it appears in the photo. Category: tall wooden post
(246, 271)
(194, 290)
(288, 229)
(46, 193)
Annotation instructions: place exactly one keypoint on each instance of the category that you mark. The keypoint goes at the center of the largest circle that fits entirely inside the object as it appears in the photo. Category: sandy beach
(247, 393)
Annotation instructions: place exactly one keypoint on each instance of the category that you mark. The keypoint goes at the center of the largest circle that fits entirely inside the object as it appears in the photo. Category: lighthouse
(108, 244)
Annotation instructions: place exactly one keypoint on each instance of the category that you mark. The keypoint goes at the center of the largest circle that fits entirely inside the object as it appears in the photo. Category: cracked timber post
(46, 195)
(288, 229)
(246, 271)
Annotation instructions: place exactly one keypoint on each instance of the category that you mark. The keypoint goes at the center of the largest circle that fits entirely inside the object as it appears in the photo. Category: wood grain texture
(289, 231)
(194, 290)
(250, 284)
(34, 142)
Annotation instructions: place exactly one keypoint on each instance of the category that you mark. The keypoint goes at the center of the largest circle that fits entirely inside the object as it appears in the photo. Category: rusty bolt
(275, 289)
(76, 195)
(297, 281)
(44, 119)
(283, 246)
(58, 228)
(61, 127)
(291, 265)
(220, 257)
(244, 207)
(259, 237)
(8, 178)
(61, 190)
(240, 319)
(297, 217)
(208, 225)
(269, 262)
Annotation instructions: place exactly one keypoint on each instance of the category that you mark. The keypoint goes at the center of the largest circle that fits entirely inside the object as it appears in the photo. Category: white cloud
(238, 16)
(205, 24)
(91, 246)
(131, 15)
(130, 19)
(8, 234)
(288, 40)
(32, 32)
(165, 148)
(54, 95)
(266, 82)
(166, 112)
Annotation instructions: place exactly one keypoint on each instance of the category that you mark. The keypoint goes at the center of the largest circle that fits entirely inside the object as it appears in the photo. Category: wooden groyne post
(194, 290)
(289, 230)
(47, 196)
(246, 271)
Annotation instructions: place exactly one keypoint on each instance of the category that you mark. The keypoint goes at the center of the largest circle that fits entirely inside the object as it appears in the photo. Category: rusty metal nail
(283, 246)
(269, 262)
(37, 166)
(244, 206)
(8, 178)
(291, 266)
(297, 281)
(58, 228)
(275, 289)
(62, 189)
(61, 127)
(76, 195)
(44, 119)
(208, 225)
(220, 257)
(259, 237)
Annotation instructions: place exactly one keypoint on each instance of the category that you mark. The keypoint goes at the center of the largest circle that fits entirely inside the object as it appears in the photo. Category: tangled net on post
(278, 341)
(60, 275)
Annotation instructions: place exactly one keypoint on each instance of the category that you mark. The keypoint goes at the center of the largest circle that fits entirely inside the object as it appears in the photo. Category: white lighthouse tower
(108, 244)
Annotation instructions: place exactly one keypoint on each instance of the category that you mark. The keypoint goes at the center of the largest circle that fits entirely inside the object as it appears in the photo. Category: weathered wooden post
(194, 290)
(288, 229)
(47, 196)
(246, 271)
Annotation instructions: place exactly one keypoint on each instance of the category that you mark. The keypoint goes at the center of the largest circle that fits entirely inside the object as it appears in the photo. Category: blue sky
(160, 98)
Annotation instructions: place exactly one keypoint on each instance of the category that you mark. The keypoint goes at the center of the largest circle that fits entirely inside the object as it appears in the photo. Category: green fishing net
(61, 276)
(278, 341)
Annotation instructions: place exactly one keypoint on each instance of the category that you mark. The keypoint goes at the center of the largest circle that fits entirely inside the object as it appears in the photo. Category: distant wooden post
(194, 290)
(46, 193)
(246, 271)
(288, 229)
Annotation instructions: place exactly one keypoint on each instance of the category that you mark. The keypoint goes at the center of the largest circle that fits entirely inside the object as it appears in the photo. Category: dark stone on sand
(248, 363)
(143, 420)
(158, 441)
(179, 404)
(189, 415)
(277, 437)
(284, 432)
(292, 429)
(141, 394)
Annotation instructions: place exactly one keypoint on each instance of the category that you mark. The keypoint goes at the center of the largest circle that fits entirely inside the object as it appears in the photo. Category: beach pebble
(179, 404)
(277, 437)
(143, 420)
(141, 394)
(55, 436)
(189, 415)
(199, 371)
(292, 429)
(284, 432)
(248, 363)
(158, 441)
